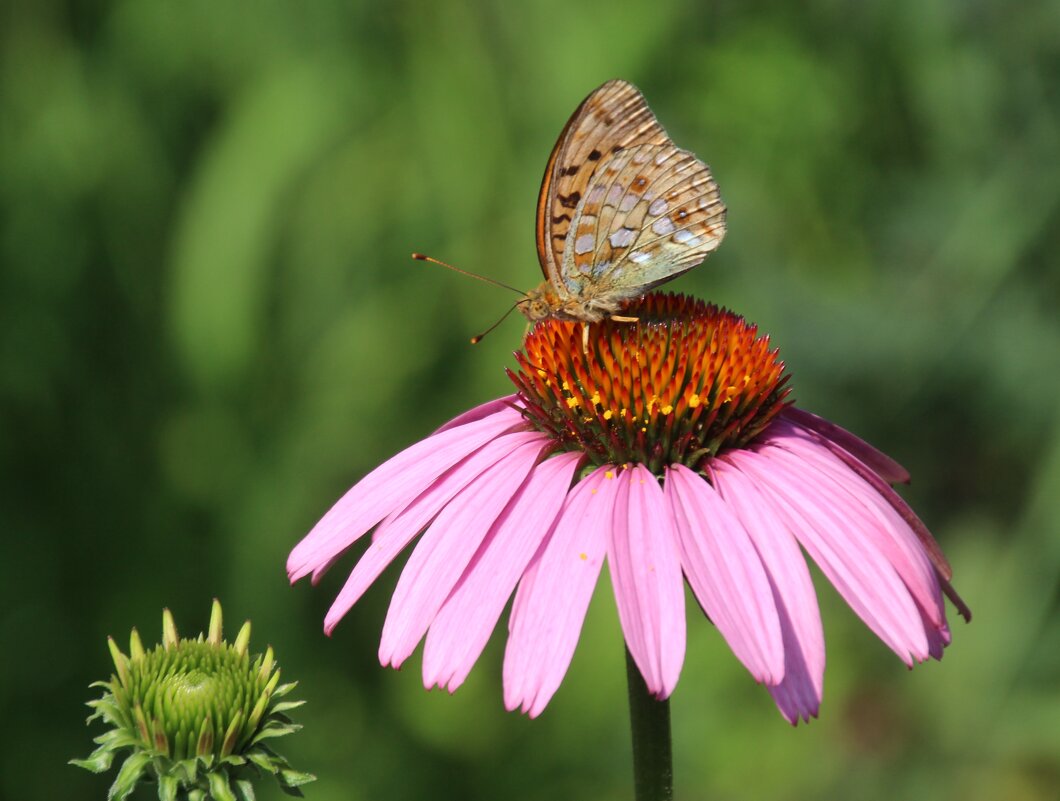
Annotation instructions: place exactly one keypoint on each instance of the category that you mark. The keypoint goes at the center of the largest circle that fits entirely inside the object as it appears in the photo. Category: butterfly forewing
(612, 118)
(621, 207)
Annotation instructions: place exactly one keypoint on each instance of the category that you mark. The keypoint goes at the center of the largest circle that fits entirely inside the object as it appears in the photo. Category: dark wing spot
(556, 220)
(595, 155)
(681, 214)
(569, 201)
(571, 170)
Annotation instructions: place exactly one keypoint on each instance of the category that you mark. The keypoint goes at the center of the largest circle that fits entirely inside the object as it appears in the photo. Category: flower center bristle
(684, 382)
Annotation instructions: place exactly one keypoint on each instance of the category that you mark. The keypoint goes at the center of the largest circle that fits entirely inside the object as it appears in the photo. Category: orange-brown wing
(650, 213)
(614, 117)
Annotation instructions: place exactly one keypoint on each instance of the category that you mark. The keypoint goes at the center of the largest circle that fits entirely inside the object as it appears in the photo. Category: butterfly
(622, 209)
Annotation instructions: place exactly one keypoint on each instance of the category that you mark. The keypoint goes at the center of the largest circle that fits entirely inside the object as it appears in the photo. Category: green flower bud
(194, 715)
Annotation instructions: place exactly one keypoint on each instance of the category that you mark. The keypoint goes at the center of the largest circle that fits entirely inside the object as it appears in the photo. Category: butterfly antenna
(476, 339)
(495, 282)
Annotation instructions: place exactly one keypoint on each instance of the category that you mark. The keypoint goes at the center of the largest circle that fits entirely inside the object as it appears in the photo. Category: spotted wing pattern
(614, 117)
(621, 207)
(649, 214)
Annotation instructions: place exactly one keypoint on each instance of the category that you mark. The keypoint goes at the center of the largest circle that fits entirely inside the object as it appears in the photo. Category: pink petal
(821, 520)
(400, 528)
(877, 519)
(464, 624)
(881, 485)
(646, 576)
(726, 574)
(880, 463)
(799, 694)
(482, 410)
(446, 548)
(389, 487)
(554, 594)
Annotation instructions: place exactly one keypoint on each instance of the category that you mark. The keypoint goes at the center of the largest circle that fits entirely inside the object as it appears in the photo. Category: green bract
(194, 715)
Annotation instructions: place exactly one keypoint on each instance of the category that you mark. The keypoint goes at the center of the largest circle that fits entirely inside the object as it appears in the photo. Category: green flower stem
(649, 720)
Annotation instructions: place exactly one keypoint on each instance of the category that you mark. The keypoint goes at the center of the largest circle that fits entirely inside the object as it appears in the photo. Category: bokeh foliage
(209, 327)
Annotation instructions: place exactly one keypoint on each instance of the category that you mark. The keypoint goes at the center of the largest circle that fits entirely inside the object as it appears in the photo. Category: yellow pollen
(609, 474)
(643, 428)
(583, 556)
(572, 402)
(592, 491)
(566, 387)
(667, 409)
(542, 373)
(595, 399)
(694, 401)
(608, 414)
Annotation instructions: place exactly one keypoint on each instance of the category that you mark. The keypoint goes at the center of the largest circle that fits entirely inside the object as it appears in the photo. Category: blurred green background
(210, 327)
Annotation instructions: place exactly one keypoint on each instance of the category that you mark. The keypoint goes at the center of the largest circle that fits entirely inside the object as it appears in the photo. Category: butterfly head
(539, 303)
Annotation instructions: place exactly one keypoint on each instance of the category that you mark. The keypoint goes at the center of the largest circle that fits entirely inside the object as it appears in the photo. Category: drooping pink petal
(799, 694)
(880, 463)
(822, 522)
(463, 626)
(554, 594)
(400, 528)
(391, 486)
(874, 516)
(446, 548)
(482, 410)
(726, 574)
(879, 482)
(646, 575)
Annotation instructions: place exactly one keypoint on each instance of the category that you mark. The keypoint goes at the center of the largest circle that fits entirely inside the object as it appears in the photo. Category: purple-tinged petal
(784, 430)
(878, 520)
(821, 521)
(554, 594)
(464, 624)
(799, 694)
(726, 574)
(956, 600)
(880, 463)
(646, 576)
(400, 528)
(509, 402)
(390, 487)
(446, 548)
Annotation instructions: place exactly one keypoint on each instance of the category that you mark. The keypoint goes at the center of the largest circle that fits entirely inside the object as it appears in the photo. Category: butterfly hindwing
(649, 213)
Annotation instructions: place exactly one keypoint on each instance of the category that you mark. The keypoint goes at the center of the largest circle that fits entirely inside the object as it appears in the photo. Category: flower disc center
(684, 382)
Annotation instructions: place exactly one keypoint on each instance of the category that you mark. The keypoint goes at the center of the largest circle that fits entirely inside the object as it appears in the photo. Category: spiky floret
(685, 382)
(194, 715)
